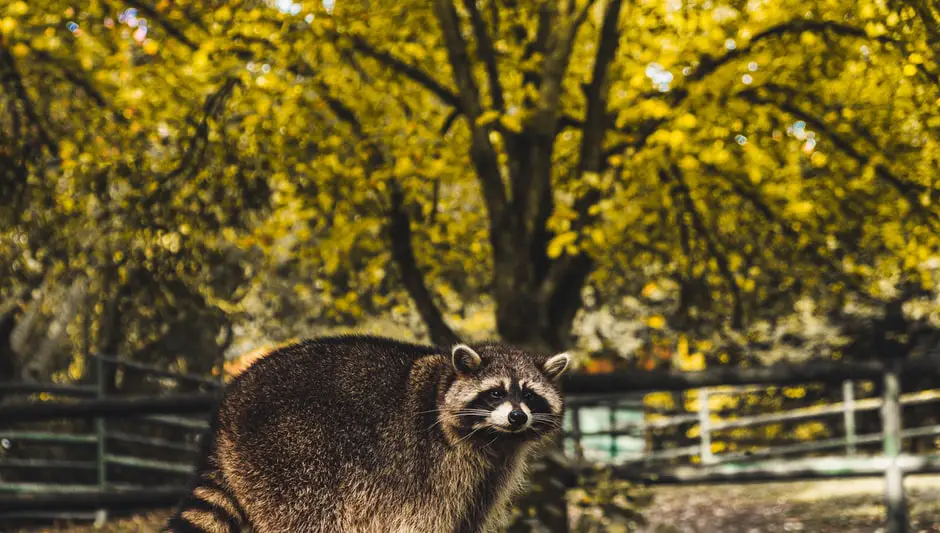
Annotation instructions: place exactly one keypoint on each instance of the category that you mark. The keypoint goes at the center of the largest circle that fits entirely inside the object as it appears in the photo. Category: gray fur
(365, 434)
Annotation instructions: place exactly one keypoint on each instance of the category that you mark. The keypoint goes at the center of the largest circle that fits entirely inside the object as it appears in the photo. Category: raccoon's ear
(556, 365)
(465, 360)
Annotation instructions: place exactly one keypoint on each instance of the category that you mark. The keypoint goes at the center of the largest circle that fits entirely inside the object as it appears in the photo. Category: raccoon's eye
(497, 393)
(527, 394)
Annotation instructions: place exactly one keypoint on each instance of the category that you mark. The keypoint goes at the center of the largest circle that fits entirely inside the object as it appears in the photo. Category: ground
(849, 506)
(852, 506)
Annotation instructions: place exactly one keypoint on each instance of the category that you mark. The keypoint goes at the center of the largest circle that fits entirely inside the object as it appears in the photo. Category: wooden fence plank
(15, 387)
(57, 438)
(772, 471)
(144, 498)
(47, 463)
(150, 464)
(128, 407)
(779, 374)
(153, 441)
(817, 445)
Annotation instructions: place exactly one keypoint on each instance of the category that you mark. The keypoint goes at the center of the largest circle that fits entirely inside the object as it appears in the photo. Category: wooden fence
(843, 455)
(696, 463)
(98, 446)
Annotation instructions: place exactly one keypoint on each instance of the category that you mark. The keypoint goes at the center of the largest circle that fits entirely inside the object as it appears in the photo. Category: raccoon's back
(352, 377)
(302, 422)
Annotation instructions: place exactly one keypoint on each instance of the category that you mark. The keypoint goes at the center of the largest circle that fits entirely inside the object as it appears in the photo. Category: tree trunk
(41, 365)
(7, 355)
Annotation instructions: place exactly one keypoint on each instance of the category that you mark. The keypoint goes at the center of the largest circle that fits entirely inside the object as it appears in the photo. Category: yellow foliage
(560, 242)
(191, 145)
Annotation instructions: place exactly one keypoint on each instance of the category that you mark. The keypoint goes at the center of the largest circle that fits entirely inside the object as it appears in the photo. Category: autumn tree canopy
(495, 165)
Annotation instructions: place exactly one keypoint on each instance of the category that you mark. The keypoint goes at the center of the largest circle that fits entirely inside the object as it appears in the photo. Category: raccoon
(366, 434)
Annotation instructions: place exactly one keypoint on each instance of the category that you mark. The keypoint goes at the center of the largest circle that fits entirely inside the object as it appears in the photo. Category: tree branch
(595, 125)
(410, 71)
(909, 191)
(399, 233)
(399, 230)
(708, 65)
(449, 121)
(487, 54)
(19, 89)
(540, 43)
(167, 26)
(482, 152)
(698, 222)
(81, 82)
(532, 186)
(753, 197)
(568, 273)
(195, 150)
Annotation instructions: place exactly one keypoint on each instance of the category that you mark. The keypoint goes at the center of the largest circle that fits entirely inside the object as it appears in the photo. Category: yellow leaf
(656, 322)
(20, 50)
(415, 50)
(799, 209)
(7, 25)
(916, 59)
(487, 118)
(819, 159)
(910, 70)
(688, 163)
(558, 244)
(18, 9)
(151, 47)
(404, 167)
(686, 121)
(591, 178)
(511, 123)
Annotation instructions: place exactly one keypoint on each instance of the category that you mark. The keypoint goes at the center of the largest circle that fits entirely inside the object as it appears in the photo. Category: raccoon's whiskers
(481, 412)
(470, 434)
(546, 420)
(429, 411)
(458, 414)
(429, 428)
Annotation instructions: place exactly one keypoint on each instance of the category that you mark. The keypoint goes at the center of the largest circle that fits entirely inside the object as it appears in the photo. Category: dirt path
(851, 506)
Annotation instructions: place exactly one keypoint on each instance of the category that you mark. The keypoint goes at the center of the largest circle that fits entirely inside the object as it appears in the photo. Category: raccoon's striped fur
(363, 434)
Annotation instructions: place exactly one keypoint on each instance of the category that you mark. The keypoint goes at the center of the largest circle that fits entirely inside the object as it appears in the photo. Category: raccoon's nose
(517, 417)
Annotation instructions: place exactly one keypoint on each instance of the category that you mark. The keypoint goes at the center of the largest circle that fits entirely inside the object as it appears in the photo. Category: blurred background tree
(676, 183)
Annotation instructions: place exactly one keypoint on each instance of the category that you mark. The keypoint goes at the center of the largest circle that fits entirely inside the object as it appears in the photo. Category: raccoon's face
(502, 394)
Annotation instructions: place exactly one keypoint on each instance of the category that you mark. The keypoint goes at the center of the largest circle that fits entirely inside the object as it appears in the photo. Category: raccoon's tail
(209, 508)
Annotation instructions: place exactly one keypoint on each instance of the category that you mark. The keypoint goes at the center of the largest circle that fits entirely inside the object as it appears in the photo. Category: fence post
(101, 516)
(704, 423)
(896, 518)
(848, 401)
(613, 427)
(576, 429)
